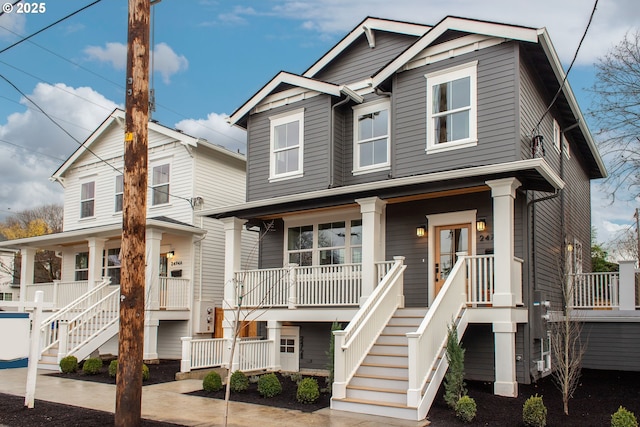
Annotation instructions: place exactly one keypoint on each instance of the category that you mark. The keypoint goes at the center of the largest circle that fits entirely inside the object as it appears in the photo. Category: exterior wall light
(170, 254)
(421, 231)
(481, 224)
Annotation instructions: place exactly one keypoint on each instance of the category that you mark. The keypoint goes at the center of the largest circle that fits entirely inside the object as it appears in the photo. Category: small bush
(466, 409)
(69, 364)
(238, 382)
(534, 413)
(145, 373)
(269, 385)
(92, 366)
(623, 418)
(308, 391)
(113, 368)
(212, 382)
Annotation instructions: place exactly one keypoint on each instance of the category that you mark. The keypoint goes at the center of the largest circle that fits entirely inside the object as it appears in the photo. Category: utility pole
(132, 294)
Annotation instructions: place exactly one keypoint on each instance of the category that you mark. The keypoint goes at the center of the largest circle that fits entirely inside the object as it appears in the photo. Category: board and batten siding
(359, 61)
(497, 108)
(315, 151)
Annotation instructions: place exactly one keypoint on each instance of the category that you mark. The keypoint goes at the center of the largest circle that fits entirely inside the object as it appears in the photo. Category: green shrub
(145, 373)
(113, 368)
(623, 418)
(69, 364)
(308, 390)
(212, 382)
(238, 382)
(454, 387)
(92, 365)
(269, 385)
(466, 409)
(534, 413)
(296, 377)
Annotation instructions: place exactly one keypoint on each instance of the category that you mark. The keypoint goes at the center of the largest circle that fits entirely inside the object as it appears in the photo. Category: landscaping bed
(162, 372)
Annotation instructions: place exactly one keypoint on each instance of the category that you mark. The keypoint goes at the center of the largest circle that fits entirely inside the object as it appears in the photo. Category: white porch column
(274, 330)
(505, 359)
(503, 192)
(150, 345)
(373, 210)
(27, 268)
(96, 250)
(627, 285)
(233, 258)
(152, 270)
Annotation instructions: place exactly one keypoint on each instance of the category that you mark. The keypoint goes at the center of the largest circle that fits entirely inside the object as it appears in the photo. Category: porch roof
(54, 241)
(535, 174)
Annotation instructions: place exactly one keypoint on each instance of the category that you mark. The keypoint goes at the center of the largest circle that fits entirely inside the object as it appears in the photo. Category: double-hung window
(87, 199)
(371, 145)
(82, 266)
(287, 145)
(119, 193)
(451, 108)
(160, 184)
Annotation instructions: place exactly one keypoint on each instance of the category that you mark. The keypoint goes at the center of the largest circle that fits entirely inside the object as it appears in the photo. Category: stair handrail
(112, 298)
(354, 342)
(425, 350)
(49, 326)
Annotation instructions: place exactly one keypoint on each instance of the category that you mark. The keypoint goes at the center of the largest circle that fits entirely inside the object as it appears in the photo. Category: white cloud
(216, 130)
(11, 24)
(26, 171)
(113, 53)
(167, 62)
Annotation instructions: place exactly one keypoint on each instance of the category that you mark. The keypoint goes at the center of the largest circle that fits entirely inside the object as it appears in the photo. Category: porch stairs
(81, 327)
(379, 386)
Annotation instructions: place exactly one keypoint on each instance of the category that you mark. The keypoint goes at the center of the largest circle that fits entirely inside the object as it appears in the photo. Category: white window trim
(93, 199)
(360, 110)
(442, 76)
(277, 120)
(159, 162)
(116, 193)
(557, 135)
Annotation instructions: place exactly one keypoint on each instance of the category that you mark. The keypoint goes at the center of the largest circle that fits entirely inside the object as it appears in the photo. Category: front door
(290, 348)
(450, 241)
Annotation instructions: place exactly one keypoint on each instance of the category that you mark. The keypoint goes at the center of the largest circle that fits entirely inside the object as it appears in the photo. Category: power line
(4, 141)
(13, 4)
(566, 75)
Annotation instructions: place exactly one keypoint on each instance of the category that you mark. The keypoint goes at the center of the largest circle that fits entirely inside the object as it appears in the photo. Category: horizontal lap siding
(478, 342)
(497, 114)
(611, 345)
(359, 61)
(316, 151)
(314, 338)
(169, 334)
(272, 246)
(219, 179)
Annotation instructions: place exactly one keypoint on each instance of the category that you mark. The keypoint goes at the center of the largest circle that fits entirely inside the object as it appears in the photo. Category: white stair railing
(354, 342)
(49, 328)
(88, 325)
(174, 293)
(425, 345)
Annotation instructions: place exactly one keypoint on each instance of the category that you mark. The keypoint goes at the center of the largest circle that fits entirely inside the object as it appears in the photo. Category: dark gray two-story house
(415, 176)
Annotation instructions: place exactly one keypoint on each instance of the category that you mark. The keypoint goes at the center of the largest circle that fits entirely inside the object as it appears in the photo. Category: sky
(210, 56)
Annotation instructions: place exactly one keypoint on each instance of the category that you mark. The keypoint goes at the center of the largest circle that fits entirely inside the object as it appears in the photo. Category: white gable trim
(459, 24)
(368, 25)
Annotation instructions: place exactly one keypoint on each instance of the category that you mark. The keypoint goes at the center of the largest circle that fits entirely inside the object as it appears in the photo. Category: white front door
(290, 348)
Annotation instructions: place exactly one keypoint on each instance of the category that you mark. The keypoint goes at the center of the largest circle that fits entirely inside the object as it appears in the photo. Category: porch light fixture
(481, 224)
(170, 254)
(421, 231)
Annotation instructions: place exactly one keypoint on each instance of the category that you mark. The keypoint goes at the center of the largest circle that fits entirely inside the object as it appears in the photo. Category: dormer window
(87, 199)
(287, 145)
(451, 108)
(371, 145)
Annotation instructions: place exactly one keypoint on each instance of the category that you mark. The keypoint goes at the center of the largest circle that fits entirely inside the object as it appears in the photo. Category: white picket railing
(255, 354)
(353, 343)
(49, 330)
(267, 287)
(57, 292)
(383, 268)
(328, 285)
(202, 353)
(78, 331)
(480, 279)
(425, 345)
(250, 355)
(174, 293)
(595, 290)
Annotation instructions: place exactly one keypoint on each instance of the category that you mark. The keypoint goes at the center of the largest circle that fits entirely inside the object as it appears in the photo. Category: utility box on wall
(205, 317)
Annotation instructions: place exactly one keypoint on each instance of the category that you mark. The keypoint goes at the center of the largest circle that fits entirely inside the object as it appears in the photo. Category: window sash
(371, 130)
(325, 243)
(286, 135)
(87, 199)
(160, 184)
(119, 193)
(82, 266)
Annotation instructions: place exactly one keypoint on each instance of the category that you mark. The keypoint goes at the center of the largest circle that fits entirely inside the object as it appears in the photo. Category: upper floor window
(287, 146)
(559, 140)
(451, 108)
(371, 145)
(119, 193)
(87, 199)
(160, 184)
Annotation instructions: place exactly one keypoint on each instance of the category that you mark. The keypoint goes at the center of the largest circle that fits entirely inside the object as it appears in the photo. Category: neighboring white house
(8, 291)
(185, 252)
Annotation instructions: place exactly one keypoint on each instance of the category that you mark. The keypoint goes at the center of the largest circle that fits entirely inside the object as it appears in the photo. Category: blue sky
(212, 55)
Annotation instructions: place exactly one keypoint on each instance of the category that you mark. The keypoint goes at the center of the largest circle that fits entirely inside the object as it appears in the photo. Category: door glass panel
(452, 240)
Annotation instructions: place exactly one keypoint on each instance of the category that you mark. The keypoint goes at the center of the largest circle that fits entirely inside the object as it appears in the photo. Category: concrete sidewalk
(166, 402)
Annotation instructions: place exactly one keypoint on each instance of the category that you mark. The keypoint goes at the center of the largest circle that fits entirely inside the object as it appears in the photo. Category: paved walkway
(166, 402)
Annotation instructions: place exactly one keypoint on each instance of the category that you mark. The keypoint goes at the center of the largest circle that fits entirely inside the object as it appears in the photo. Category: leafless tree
(616, 111)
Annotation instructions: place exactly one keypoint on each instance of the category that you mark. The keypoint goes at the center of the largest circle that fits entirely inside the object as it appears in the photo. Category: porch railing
(202, 353)
(250, 355)
(480, 279)
(174, 293)
(254, 355)
(595, 291)
(57, 292)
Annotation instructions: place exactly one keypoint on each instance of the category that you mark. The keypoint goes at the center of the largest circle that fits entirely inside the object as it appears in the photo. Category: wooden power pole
(132, 294)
